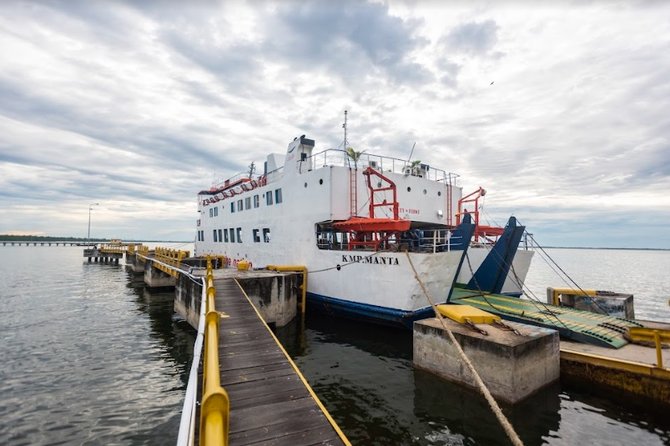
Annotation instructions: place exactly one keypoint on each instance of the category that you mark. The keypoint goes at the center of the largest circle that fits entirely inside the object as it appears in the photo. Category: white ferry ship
(355, 221)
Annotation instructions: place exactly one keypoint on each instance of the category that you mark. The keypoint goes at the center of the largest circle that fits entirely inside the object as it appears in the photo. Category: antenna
(410, 155)
(344, 126)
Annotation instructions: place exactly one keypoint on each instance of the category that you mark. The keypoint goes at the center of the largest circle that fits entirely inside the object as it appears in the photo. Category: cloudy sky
(560, 110)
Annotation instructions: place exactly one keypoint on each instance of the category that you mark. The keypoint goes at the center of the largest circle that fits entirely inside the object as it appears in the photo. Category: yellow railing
(298, 269)
(169, 256)
(142, 250)
(112, 249)
(651, 336)
(215, 407)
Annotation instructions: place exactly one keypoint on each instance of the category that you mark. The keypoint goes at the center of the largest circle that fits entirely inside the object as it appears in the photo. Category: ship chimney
(298, 154)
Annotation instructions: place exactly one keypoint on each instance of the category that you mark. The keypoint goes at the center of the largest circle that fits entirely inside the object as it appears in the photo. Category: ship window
(225, 235)
(220, 238)
(321, 181)
(278, 196)
(257, 238)
(232, 207)
(239, 235)
(409, 189)
(247, 203)
(198, 222)
(216, 211)
(266, 235)
(232, 235)
(211, 212)
(268, 198)
(425, 191)
(239, 204)
(214, 231)
(439, 193)
(257, 201)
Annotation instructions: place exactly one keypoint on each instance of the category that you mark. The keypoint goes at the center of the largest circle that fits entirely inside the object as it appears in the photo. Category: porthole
(379, 184)
(425, 191)
(321, 181)
(305, 184)
(409, 189)
(439, 193)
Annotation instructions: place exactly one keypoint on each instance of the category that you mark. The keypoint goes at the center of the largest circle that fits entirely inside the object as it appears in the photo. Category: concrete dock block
(154, 278)
(513, 367)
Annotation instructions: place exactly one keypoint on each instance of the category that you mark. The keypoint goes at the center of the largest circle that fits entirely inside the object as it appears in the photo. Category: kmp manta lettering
(376, 260)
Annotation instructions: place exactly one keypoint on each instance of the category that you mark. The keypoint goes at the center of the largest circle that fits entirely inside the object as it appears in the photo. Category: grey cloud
(449, 72)
(474, 38)
(236, 65)
(161, 144)
(349, 37)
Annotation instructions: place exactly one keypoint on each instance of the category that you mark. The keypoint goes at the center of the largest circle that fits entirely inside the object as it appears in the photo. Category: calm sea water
(89, 357)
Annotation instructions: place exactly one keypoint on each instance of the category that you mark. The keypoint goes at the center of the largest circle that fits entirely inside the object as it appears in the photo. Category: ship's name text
(376, 260)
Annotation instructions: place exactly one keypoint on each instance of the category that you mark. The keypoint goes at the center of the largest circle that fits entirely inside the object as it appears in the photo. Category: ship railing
(416, 240)
(434, 240)
(338, 157)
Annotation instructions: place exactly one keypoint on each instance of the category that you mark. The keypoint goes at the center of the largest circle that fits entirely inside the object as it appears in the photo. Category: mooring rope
(506, 425)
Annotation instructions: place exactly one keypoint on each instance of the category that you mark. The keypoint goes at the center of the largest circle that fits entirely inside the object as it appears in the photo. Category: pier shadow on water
(173, 332)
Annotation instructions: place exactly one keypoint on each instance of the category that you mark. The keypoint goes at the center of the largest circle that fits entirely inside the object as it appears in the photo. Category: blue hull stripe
(366, 312)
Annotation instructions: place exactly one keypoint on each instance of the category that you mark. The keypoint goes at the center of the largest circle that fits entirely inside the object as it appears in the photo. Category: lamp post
(88, 234)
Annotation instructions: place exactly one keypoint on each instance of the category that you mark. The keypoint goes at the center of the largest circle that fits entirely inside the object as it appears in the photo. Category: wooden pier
(270, 401)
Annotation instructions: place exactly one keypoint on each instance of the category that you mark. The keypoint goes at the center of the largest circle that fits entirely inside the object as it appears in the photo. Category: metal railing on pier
(215, 403)
(172, 257)
(215, 407)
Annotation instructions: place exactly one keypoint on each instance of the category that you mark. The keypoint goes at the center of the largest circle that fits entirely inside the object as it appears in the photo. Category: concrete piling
(512, 366)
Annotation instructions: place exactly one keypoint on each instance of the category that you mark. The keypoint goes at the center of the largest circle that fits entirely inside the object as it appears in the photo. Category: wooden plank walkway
(269, 402)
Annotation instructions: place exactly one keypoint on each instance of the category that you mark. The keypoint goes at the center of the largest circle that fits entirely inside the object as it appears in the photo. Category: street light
(88, 234)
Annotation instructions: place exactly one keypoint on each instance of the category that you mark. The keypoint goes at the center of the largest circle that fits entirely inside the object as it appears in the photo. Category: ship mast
(344, 126)
(353, 174)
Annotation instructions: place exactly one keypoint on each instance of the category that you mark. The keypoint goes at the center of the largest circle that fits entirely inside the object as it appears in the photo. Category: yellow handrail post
(659, 352)
(651, 335)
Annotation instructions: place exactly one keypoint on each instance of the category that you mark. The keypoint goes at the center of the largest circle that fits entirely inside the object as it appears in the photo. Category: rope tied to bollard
(497, 411)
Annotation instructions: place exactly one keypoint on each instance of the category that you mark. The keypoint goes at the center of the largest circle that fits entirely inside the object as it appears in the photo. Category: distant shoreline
(40, 238)
(48, 238)
(617, 249)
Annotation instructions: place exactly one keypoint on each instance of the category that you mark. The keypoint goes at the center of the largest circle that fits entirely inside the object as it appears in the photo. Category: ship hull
(391, 317)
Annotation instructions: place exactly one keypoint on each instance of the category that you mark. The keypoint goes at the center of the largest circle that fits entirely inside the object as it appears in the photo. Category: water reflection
(86, 358)
(364, 375)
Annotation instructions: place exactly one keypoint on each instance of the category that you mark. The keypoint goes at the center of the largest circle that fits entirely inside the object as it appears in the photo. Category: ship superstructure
(356, 222)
